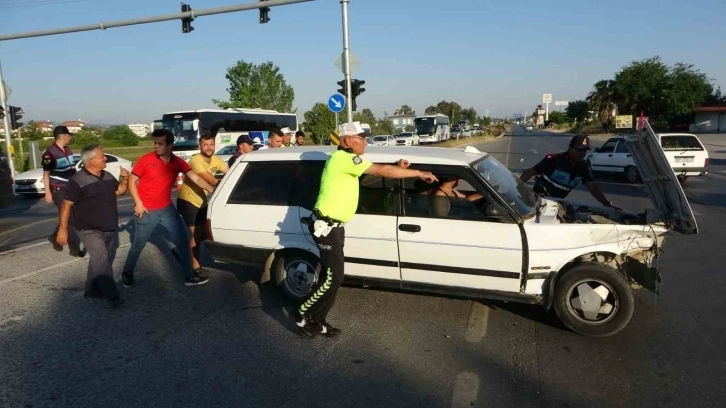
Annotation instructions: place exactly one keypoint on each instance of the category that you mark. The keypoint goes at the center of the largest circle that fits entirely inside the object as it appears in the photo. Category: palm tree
(602, 100)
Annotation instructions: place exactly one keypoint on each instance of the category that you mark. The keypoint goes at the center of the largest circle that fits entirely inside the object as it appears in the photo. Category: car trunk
(684, 152)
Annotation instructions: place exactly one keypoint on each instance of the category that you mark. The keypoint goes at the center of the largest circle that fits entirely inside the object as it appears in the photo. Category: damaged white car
(480, 232)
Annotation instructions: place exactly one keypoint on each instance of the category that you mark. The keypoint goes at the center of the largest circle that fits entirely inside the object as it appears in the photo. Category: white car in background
(407, 139)
(384, 140)
(685, 153)
(226, 152)
(30, 183)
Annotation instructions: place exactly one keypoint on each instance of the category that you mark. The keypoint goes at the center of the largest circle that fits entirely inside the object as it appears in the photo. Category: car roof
(376, 154)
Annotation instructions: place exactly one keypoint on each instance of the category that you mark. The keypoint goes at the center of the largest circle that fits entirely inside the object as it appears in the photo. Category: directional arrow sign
(336, 103)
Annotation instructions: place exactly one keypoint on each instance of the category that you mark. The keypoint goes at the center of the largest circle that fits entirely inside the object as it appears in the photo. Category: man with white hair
(336, 204)
(91, 196)
(287, 137)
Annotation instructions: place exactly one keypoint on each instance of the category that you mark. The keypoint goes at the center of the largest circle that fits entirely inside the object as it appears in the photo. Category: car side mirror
(495, 211)
(597, 150)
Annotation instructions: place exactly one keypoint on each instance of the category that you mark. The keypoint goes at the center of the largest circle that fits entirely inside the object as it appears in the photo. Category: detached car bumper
(690, 171)
(236, 254)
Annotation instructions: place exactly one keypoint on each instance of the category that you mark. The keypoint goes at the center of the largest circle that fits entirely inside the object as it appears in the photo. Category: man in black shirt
(91, 196)
(560, 173)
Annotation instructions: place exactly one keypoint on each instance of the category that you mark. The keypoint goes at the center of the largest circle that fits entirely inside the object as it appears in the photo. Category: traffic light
(2, 113)
(264, 14)
(187, 21)
(16, 113)
(356, 84)
(343, 90)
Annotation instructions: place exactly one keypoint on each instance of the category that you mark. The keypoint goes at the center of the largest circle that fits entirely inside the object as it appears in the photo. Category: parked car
(369, 141)
(685, 154)
(512, 244)
(226, 152)
(30, 183)
(407, 139)
(384, 140)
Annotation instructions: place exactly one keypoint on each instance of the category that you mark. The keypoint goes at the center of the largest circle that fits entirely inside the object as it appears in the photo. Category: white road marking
(49, 268)
(44, 221)
(476, 328)
(24, 248)
(509, 148)
(466, 390)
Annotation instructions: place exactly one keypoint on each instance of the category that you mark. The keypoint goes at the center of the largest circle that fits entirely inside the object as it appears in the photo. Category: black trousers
(332, 262)
(99, 278)
(58, 195)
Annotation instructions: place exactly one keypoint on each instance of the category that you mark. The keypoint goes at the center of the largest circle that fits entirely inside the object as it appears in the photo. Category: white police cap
(352, 129)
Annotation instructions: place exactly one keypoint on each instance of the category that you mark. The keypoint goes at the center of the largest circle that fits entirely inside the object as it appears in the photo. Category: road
(230, 342)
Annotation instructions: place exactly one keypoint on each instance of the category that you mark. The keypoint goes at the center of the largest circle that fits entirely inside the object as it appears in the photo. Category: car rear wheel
(295, 272)
(631, 173)
(593, 299)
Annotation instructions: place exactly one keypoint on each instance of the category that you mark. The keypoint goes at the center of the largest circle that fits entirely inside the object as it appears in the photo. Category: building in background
(74, 126)
(139, 129)
(45, 126)
(400, 120)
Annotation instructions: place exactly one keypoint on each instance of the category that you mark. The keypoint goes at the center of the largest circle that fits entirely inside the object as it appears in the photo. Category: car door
(460, 247)
(621, 157)
(602, 158)
(371, 247)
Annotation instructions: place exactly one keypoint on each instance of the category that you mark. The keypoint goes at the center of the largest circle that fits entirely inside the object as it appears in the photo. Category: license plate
(24, 187)
(684, 159)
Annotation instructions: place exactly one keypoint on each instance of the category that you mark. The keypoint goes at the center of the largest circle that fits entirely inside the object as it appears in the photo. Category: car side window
(307, 184)
(265, 183)
(376, 195)
(622, 148)
(608, 147)
(110, 159)
(452, 198)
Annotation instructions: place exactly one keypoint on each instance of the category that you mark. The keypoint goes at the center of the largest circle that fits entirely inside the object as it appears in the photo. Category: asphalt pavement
(231, 342)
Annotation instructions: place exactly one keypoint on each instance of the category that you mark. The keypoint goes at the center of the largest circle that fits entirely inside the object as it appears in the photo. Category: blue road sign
(336, 103)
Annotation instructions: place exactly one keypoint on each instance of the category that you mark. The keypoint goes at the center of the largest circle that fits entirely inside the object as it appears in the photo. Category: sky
(485, 54)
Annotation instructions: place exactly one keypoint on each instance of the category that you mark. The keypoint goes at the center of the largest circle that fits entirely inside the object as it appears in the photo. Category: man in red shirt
(156, 173)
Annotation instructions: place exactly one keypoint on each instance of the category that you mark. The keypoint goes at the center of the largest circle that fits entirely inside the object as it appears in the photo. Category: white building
(74, 126)
(400, 121)
(139, 129)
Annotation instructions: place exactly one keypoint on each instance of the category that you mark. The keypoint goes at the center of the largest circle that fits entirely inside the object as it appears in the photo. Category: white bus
(432, 128)
(226, 124)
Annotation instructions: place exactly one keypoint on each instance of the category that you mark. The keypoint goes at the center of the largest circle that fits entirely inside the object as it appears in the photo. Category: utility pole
(6, 122)
(346, 57)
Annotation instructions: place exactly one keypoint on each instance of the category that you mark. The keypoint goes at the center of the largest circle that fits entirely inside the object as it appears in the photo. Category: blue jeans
(174, 230)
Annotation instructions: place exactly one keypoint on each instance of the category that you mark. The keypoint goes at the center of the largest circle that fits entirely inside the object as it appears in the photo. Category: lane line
(509, 148)
(46, 269)
(476, 328)
(45, 242)
(466, 390)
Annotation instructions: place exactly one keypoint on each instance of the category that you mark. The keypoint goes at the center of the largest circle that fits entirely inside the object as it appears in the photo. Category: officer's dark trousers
(58, 194)
(332, 261)
(99, 279)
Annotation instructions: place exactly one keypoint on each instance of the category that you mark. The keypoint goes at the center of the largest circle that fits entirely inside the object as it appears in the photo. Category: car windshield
(402, 135)
(510, 187)
(680, 142)
(380, 138)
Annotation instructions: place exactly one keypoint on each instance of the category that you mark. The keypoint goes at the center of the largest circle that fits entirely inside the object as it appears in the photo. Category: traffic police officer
(560, 173)
(336, 204)
(58, 168)
(286, 137)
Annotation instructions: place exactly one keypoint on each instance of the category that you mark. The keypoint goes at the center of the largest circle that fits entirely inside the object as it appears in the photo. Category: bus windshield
(181, 125)
(425, 126)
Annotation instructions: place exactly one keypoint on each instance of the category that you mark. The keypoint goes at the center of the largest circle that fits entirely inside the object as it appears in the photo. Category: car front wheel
(295, 272)
(631, 173)
(593, 299)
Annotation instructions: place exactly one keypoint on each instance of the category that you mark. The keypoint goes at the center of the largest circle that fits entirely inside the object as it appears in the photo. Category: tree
(602, 101)
(405, 110)
(578, 111)
(450, 109)
(409, 128)
(365, 116)
(715, 98)
(469, 114)
(121, 133)
(641, 86)
(32, 131)
(431, 110)
(257, 86)
(686, 88)
(83, 138)
(486, 121)
(558, 117)
(320, 121)
(384, 127)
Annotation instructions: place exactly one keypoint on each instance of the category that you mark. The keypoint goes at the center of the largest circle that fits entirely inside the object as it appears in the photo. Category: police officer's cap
(60, 130)
(352, 129)
(580, 142)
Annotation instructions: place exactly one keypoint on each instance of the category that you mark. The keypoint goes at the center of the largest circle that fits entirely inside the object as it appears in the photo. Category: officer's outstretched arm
(396, 172)
(528, 174)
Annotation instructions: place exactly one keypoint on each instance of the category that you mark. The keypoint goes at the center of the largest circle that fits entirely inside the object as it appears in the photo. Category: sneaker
(75, 250)
(306, 326)
(127, 279)
(328, 330)
(201, 272)
(196, 280)
(58, 247)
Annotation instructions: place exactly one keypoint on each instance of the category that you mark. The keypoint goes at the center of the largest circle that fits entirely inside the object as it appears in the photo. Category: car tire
(295, 272)
(631, 174)
(579, 302)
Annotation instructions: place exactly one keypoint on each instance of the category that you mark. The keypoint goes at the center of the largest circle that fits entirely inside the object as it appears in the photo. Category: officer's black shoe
(127, 279)
(328, 330)
(58, 247)
(75, 250)
(306, 326)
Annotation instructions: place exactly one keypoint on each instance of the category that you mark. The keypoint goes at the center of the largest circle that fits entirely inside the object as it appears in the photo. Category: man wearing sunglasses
(560, 173)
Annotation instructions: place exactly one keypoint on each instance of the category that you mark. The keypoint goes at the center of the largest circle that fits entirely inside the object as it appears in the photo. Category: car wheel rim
(592, 301)
(299, 277)
(632, 174)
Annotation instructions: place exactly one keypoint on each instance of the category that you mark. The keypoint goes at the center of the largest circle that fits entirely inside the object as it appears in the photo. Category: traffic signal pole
(346, 60)
(6, 123)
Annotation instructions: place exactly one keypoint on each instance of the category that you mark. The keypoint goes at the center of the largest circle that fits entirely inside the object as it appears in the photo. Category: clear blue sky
(487, 54)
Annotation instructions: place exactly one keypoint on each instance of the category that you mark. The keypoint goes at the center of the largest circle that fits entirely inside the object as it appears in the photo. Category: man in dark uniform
(560, 173)
(336, 204)
(58, 168)
(244, 145)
